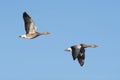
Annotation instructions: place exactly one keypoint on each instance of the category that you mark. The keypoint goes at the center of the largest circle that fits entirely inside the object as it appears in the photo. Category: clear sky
(70, 22)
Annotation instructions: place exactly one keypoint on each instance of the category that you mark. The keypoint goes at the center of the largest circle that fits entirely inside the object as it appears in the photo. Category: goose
(30, 28)
(78, 51)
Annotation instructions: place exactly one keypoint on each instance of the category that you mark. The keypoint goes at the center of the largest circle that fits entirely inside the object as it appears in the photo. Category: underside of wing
(81, 58)
(74, 53)
(29, 24)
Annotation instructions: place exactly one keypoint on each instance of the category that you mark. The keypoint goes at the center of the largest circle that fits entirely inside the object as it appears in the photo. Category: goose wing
(29, 24)
(75, 52)
(81, 56)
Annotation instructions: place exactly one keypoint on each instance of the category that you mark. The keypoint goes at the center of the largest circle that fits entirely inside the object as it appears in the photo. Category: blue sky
(70, 22)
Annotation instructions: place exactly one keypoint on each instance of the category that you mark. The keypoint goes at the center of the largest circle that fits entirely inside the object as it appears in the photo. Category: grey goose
(30, 28)
(78, 51)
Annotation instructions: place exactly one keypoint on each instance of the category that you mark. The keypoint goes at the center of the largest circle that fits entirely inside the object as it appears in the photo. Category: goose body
(30, 28)
(78, 51)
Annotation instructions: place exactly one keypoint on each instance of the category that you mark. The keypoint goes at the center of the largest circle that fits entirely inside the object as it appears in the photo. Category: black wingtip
(25, 14)
(74, 58)
(82, 64)
(81, 61)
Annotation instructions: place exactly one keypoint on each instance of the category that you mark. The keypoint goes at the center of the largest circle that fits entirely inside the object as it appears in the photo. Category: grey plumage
(30, 28)
(29, 24)
(78, 51)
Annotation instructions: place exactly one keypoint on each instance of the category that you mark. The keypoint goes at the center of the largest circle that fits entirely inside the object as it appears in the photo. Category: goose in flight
(78, 51)
(30, 28)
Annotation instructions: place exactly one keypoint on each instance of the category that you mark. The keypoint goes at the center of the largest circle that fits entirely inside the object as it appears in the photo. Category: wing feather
(29, 24)
(75, 52)
(81, 56)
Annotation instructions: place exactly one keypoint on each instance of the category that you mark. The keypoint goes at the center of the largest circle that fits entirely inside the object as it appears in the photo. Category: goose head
(22, 36)
(68, 49)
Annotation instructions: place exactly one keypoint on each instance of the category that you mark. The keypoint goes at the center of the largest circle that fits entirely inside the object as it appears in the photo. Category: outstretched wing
(75, 52)
(29, 24)
(81, 56)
